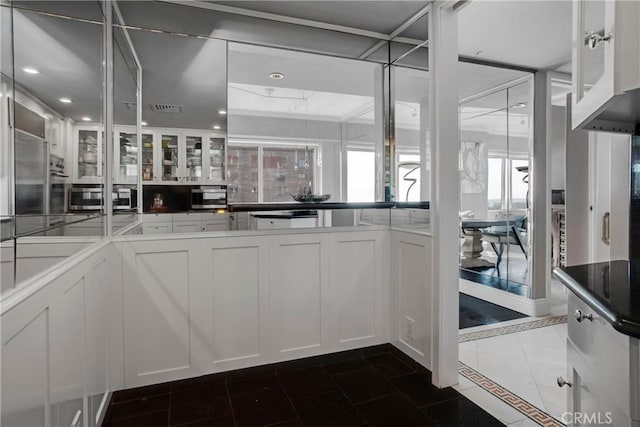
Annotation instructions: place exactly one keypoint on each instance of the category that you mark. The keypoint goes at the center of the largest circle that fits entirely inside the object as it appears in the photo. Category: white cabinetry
(188, 222)
(603, 369)
(87, 155)
(190, 157)
(606, 64)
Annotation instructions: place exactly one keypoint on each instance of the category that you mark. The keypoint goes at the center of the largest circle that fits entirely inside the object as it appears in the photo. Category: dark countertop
(288, 215)
(258, 207)
(612, 289)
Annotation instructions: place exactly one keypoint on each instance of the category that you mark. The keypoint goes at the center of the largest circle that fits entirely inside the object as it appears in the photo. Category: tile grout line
(511, 399)
(511, 329)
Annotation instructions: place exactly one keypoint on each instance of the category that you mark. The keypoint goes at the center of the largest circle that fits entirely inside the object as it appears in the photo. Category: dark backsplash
(177, 198)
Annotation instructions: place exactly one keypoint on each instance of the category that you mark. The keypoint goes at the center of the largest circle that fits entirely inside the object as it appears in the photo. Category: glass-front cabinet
(125, 159)
(148, 164)
(193, 158)
(606, 59)
(169, 158)
(184, 157)
(88, 156)
(216, 167)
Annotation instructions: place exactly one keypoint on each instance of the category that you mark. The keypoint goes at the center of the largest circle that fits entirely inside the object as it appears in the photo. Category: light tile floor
(526, 363)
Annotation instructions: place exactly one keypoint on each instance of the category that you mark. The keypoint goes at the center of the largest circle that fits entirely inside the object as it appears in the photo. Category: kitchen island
(603, 340)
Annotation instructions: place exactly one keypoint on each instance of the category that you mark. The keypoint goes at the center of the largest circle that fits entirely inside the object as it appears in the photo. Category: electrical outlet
(409, 328)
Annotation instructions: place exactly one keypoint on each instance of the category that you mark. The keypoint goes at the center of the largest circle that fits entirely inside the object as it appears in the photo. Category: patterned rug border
(531, 411)
(511, 329)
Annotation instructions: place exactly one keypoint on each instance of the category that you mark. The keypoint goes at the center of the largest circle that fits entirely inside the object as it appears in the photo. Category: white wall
(558, 145)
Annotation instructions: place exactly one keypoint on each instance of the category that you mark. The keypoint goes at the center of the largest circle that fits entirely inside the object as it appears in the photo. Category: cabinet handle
(562, 382)
(594, 39)
(580, 316)
(606, 228)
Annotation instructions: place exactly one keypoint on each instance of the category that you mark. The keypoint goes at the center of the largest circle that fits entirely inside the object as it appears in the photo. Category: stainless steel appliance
(57, 185)
(31, 170)
(210, 197)
(85, 199)
(124, 198)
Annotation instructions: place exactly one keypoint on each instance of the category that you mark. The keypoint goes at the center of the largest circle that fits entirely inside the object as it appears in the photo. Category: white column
(108, 117)
(445, 191)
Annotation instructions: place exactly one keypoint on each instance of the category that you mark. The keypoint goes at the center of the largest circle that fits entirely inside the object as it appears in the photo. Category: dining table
(472, 248)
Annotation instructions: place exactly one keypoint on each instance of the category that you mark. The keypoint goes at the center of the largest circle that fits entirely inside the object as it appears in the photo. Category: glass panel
(288, 171)
(170, 156)
(306, 102)
(592, 66)
(243, 174)
(87, 154)
(361, 176)
(495, 181)
(147, 158)
(194, 158)
(216, 159)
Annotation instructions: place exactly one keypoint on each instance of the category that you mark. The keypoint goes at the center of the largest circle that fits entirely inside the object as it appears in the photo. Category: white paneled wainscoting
(139, 310)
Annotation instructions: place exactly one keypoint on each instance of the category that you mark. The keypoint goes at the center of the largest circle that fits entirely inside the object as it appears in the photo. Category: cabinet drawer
(215, 225)
(606, 350)
(187, 227)
(272, 223)
(157, 228)
(187, 216)
(156, 217)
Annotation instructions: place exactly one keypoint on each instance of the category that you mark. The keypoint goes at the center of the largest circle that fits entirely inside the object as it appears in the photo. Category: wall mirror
(126, 140)
(496, 129)
(54, 133)
(184, 117)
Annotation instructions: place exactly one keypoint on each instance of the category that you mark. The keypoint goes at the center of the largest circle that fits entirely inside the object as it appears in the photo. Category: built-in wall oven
(57, 185)
(209, 197)
(85, 199)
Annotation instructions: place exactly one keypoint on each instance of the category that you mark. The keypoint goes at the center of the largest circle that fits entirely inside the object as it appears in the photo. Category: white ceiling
(527, 33)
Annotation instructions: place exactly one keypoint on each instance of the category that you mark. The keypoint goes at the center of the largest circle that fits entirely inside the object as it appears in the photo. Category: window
(361, 176)
(284, 171)
(495, 190)
(506, 187)
(287, 171)
(519, 184)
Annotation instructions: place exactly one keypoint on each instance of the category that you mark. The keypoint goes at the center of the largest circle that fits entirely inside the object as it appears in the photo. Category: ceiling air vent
(166, 108)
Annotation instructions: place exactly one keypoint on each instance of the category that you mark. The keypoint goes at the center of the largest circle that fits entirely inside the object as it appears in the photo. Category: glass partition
(304, 114)
(126, 141)
(495, 154)
(53, 151)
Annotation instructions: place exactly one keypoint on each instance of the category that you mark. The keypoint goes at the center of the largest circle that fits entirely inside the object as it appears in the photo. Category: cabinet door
(88, 158)
(213, 225)
(125, 157)
(169, 158)
(157, 228)
(216, 160)
(149, 173)
(193, 159)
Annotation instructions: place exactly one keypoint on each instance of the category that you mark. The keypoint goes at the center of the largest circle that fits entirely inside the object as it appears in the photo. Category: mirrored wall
(53, 131)
(496, 150)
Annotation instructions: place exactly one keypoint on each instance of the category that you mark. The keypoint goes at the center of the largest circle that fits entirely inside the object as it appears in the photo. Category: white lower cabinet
(157, 228)
(187, 227)
(603, 369)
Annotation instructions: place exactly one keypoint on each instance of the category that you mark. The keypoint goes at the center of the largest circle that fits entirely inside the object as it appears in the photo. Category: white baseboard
(530, 307)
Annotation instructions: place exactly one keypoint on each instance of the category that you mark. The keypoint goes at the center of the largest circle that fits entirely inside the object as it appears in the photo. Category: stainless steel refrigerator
(31, 171)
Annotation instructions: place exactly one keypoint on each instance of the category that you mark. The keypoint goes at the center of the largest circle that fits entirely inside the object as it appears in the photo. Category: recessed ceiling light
(222, 111)
(65, 100)
(30, 70)
(216, 127)
(276, 76)
(519, 105)
(86, 119)
(144, 123)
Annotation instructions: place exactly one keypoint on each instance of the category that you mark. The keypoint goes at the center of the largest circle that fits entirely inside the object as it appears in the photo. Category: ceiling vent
(131, 105)
(166, 108)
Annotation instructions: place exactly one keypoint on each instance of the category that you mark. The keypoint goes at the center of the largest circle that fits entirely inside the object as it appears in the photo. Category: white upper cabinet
(87, 155)
(606, 65)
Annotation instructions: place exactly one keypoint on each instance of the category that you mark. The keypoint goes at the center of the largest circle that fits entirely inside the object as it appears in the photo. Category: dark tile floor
(374, 386)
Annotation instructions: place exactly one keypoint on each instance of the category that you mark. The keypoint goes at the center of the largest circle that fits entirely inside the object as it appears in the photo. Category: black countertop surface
(279, 206)
(612, 289)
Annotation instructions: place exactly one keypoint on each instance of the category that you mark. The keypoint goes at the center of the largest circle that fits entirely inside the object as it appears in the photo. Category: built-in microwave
(209, 197)
(124, 198)
(85, 199)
